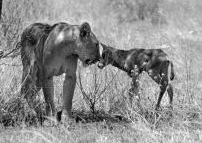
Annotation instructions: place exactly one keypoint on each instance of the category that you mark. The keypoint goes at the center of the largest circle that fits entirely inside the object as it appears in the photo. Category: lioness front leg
(68, 92)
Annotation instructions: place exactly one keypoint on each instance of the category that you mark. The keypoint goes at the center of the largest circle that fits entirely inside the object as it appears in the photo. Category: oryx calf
(135, 61)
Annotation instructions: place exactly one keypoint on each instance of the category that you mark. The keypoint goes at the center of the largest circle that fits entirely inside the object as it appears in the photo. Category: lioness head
(87, 45)
(106, 56)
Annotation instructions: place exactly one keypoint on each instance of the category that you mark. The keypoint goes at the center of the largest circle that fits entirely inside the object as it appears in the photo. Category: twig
(2, 55)
(15, 65)
(91, 98)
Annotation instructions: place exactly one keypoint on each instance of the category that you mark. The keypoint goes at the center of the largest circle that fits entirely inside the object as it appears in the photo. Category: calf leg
(162, 91)
(160, 76)
(134, 90)
(170, 94)
(163, 86)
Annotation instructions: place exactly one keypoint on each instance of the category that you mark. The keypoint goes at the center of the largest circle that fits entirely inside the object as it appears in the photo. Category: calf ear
(85, 30)
(101, 48)
(105, 47)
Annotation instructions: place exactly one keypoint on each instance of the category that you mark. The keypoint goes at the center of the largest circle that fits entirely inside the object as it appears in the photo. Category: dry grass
(169, 23)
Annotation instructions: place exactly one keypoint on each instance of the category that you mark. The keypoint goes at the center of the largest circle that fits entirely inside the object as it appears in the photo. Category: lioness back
(30, 38)
(33, 32)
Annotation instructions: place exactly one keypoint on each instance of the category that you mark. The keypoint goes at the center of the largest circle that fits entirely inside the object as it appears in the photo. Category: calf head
(105, 56)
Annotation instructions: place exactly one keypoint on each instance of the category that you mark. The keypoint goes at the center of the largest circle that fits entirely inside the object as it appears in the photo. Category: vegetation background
(100, 99)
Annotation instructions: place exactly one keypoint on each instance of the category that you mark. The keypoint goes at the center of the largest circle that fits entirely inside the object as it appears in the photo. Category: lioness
(49, 51)
(135, 61)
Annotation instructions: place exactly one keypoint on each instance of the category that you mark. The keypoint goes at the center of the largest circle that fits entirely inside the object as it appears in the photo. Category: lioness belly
(59, 65)
(54, 67)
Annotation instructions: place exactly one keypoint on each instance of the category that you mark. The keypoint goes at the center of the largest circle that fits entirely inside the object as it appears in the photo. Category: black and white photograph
(100, 71)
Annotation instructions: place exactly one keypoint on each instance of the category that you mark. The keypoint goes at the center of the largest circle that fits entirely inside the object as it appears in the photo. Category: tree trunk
(1, 2)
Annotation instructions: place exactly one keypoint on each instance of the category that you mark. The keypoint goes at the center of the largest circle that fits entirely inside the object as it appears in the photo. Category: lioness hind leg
(30, 88)
(24, 81)
(27, 83)
(48, 90)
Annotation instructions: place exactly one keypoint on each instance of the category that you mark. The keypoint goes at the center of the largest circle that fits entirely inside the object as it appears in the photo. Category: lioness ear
(85, 30)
